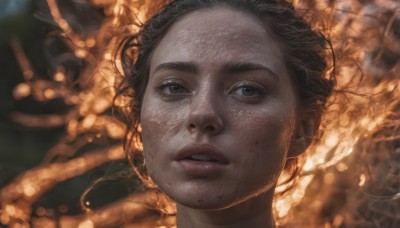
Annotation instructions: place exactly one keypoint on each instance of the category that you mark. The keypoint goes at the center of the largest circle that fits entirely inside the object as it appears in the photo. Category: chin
(201, 200)
(208, 205)
(212, 200)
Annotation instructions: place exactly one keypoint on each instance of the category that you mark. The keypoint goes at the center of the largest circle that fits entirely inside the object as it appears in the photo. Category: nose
(205, 116)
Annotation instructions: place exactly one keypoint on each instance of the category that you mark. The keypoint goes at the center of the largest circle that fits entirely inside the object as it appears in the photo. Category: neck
(255, 212)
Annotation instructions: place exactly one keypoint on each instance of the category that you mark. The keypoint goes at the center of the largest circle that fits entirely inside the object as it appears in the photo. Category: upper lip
(202, 149)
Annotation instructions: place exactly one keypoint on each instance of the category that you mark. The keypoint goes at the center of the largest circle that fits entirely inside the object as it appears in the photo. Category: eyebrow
(229, 67)
(188, 67)
(232, 67)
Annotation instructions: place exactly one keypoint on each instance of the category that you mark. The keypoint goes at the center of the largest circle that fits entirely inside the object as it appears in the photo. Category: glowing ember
(86, 224)
(21, 91)
(362, 180)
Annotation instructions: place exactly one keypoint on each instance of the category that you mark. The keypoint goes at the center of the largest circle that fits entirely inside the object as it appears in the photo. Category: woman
(226, 94)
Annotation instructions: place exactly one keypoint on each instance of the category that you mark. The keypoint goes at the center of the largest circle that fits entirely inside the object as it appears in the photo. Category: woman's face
(218, 111)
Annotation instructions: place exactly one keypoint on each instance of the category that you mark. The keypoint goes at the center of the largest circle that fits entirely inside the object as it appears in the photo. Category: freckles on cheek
(162, 120)
(159, 134)
(266, 134)
(150, 127)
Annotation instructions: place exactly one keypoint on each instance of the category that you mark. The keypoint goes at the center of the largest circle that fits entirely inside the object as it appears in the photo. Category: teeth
(201, 157)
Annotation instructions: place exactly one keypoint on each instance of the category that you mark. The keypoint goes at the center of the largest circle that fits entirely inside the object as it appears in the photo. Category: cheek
(160, 127)
(151, 125)
(152, 128)
(268, 129)
(160, 120)
(267, 139)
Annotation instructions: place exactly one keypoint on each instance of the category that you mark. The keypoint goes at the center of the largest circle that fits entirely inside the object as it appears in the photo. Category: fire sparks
(21, 91)
(361, 123)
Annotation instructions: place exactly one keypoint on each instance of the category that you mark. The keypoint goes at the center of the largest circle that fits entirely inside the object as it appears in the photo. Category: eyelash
(161, 90)
(164, 90)
(258, 90)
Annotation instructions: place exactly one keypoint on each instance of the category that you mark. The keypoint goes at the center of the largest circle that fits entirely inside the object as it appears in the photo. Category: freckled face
(217, 78)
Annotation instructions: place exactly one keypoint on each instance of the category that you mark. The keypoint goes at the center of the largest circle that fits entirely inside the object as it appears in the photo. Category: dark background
(22, 148)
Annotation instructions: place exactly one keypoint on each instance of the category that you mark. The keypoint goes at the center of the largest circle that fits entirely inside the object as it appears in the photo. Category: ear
(303, 135)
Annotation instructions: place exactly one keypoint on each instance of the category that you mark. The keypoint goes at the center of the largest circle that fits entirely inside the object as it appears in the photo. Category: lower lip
(201, 168)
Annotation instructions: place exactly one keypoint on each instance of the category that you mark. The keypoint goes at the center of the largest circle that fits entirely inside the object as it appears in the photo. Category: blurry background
(22, 147)
(29, 127)
(17, 20)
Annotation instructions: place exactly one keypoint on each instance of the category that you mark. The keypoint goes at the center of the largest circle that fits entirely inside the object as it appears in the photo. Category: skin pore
(218, 80)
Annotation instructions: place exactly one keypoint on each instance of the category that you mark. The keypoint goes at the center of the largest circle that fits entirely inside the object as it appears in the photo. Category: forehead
(218, 35)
